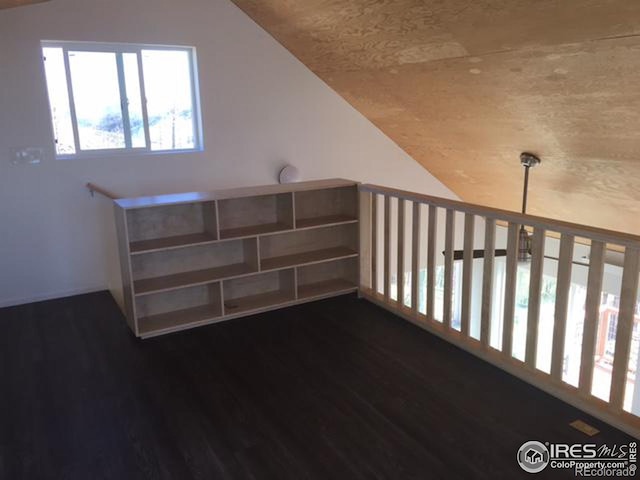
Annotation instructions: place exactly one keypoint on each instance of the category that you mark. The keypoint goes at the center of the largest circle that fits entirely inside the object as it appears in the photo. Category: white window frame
(119, 49)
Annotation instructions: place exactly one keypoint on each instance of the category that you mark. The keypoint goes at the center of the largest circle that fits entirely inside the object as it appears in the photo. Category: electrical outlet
(26, 155)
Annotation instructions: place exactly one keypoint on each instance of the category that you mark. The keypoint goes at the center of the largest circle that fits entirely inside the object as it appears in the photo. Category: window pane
(477, 280)
(406, 261)
(59, 100)
(134, 102)
(631, 394)
(521, 311)
(575, 323)
(438, 301)
(379, 221)
(607, 331)
(167, 83)
(456, 284)
(546, 318)
(422, 279)
(499, 283)
(393, 248)
(96, 93)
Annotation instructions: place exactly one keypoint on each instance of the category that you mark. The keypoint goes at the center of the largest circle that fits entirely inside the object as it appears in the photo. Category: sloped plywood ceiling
(18, 3)
(465, 85)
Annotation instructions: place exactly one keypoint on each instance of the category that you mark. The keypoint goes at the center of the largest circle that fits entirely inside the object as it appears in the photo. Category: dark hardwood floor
(338, 389)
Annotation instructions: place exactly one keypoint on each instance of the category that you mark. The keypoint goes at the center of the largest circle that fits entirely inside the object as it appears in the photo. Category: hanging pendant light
(524, 245)
(527, 160)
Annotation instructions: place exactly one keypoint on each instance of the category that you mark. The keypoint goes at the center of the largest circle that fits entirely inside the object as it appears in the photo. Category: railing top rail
(584, 231)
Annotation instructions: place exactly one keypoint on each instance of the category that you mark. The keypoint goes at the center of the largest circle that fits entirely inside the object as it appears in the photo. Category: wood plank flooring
(336, 389)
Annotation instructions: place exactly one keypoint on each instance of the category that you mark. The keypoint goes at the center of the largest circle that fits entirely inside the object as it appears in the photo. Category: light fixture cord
(526, 188)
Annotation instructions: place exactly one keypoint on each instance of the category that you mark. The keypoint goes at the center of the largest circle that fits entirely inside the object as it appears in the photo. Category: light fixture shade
(523, 245)
(289, 174)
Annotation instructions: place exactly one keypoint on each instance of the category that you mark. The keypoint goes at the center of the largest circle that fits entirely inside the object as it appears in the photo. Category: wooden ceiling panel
(18, 3)
(349, 35)
(464, 86)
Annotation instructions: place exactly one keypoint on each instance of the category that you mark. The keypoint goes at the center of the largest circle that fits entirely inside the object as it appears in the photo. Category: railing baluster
(535, 288)
(365, 239)
(563, 284)
(400, 262)
(415, 257)
(448, 267)
(591, 316)
(374, 242)
(387, 247)
(467, 273)
(628, 296)
(377, 271)
(487, 280)
(510, 289)
(431, 261)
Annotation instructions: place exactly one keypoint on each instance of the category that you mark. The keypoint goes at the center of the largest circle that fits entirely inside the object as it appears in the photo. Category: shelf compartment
(171, 269)
(145, 246)
(179, 280)
(247, 216)
(308, 246)
(330, 278)
(254, 230)
(326, 288)
(326, 207)
(176, 320)
(171, 226)
(260, 291)
(168, 311)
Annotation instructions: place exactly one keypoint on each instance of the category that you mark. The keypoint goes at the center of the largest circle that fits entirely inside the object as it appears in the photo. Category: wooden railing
(408, 265)
(93, 188)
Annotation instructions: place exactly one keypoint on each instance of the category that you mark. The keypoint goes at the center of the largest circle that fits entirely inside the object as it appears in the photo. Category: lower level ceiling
(464, 86)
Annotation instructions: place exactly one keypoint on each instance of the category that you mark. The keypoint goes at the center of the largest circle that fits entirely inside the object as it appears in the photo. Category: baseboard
(50, 296)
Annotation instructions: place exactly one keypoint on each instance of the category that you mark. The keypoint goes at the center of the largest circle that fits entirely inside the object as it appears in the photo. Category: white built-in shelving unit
(197, 258)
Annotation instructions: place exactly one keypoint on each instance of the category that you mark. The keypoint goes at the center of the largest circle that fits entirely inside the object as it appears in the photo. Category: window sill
(125, 153)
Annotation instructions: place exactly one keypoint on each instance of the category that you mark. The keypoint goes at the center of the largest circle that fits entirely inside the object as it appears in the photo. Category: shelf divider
(324, 221)
(187, 279)
(315, 256)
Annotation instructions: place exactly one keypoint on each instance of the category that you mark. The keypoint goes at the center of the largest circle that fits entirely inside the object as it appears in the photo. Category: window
(110, 98)
(611, 334)
(613, 326)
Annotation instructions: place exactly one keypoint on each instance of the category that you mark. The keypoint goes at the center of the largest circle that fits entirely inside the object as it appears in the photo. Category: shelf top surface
(194, 197)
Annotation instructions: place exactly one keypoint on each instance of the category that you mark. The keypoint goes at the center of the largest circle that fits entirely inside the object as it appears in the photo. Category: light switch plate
(26, 155)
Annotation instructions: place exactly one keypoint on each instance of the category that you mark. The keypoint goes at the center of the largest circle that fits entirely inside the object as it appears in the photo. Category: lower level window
(110, 98)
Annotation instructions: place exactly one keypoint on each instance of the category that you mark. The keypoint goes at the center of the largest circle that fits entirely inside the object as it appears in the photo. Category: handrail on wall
(93, 189)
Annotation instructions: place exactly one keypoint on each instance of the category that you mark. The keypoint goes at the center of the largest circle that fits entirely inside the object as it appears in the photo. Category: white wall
(260, 106)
